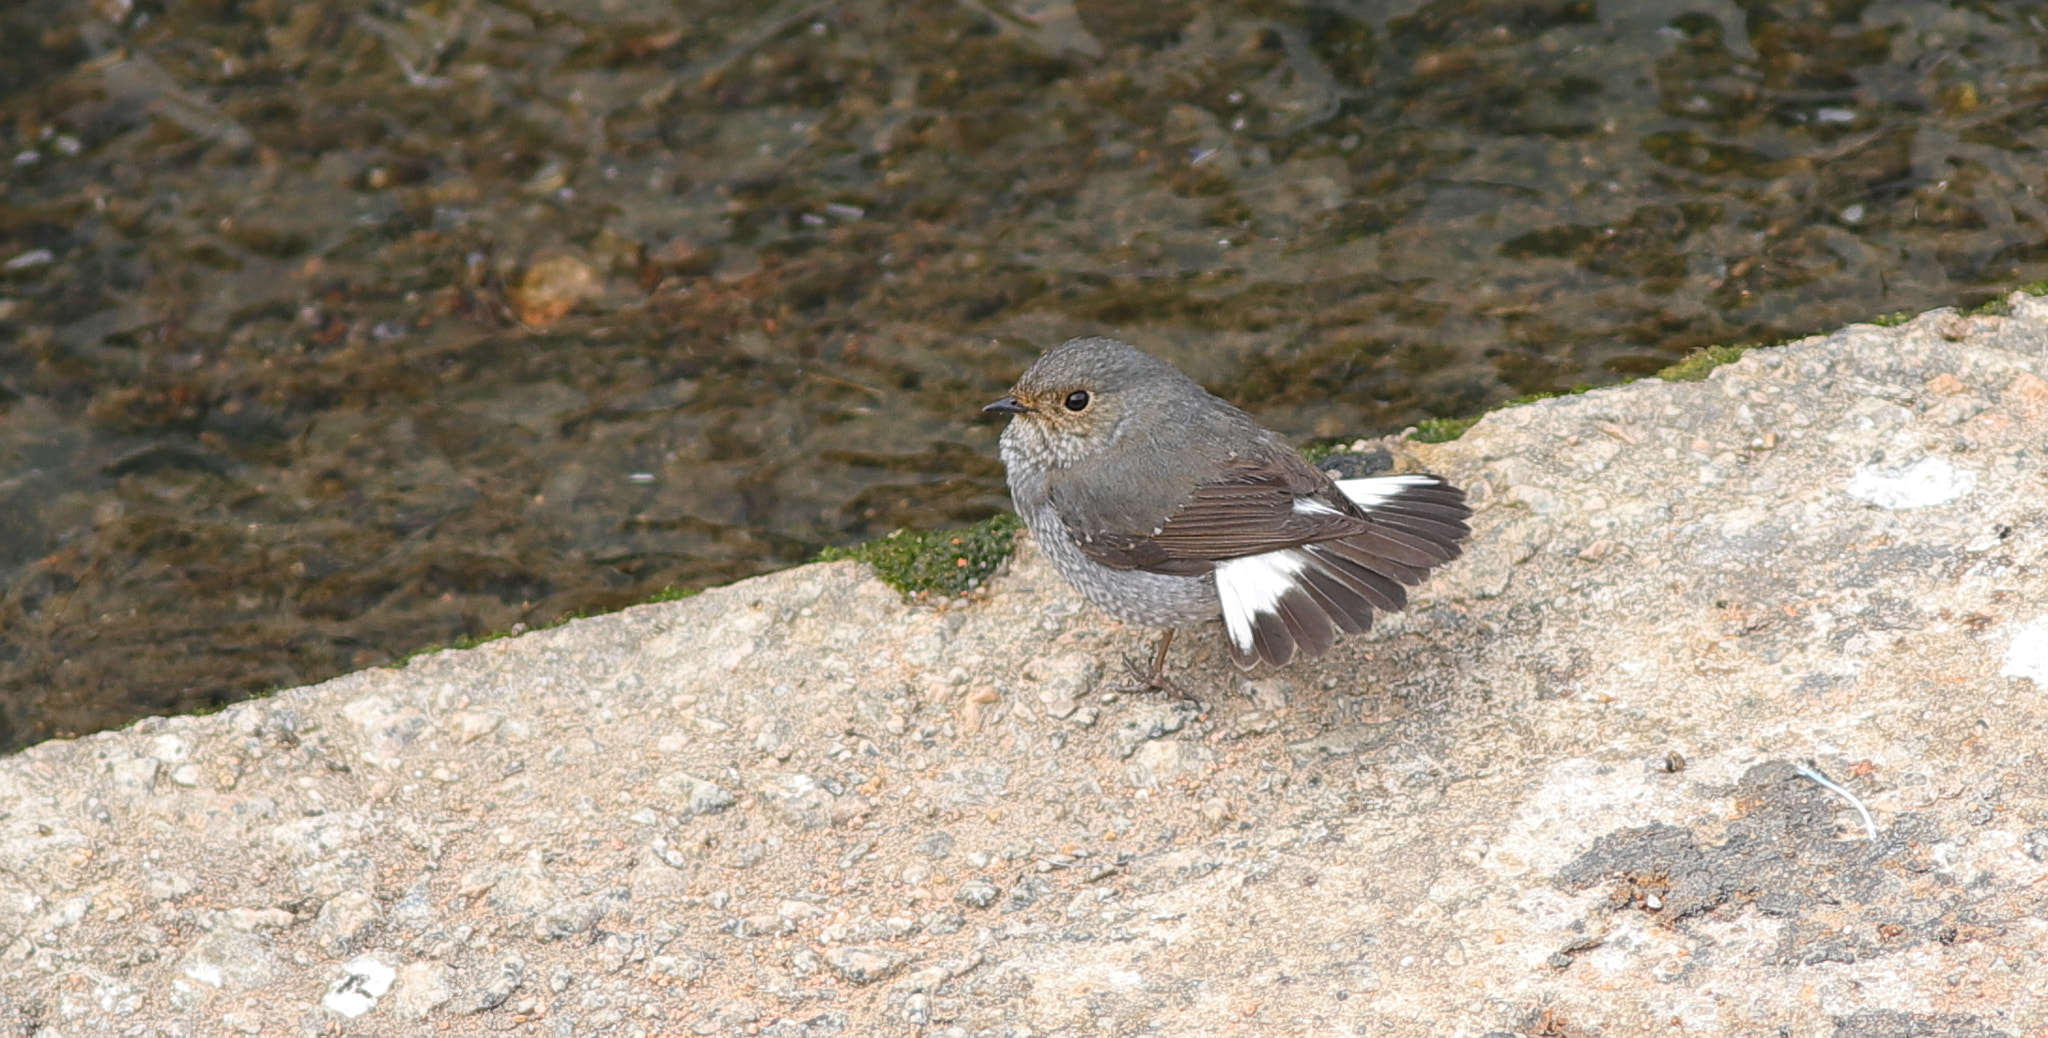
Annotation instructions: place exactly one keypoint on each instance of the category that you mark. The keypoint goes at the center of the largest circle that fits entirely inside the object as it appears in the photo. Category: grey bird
(1165, 505)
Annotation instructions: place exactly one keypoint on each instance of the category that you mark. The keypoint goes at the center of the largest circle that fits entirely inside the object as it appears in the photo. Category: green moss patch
(941, 562)
(1702, 361)
(1997, 306)
(673, 593)
(1444, 430)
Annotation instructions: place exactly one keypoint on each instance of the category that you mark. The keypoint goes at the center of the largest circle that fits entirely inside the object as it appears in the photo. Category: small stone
(680, 965)
(559, 980)
(1063, 680)
(415, 910)
(250, 920)
(230, 959)
(136, 775)
(798, 911)
(776, 738)
(345, 919)
(854, 853)
(1361, 459)
(422, 988)
(1270, 695)
(1157, 764)
(763, 924)
(388, 729)
(1026, 893)
(977, 893)
(568, 917)
(168, 886)
(804, 962)
(552, 288)
(807, 803)
(117, 997)
(470, 725)
(498, 985)
(1216, 811)
(728, 1017)
(170, 748)
(936, 844)
(1150, 723)
(1084, 904)
(917, 1009)
(865, 964)
(692, 795)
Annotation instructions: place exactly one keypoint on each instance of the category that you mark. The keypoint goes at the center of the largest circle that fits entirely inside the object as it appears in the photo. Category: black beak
(1007, 405)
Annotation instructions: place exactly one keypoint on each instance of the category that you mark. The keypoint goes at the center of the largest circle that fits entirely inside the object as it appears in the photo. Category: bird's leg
(1143, 680)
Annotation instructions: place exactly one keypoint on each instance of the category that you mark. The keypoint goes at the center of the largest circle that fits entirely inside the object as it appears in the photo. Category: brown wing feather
(1249, 511)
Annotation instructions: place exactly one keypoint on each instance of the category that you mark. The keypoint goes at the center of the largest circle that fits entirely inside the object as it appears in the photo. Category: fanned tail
(1278, 602)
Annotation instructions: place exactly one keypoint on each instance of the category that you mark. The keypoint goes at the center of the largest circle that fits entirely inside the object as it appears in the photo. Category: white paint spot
(1378, 490)
(1253, 585)
(1923, 484)
(2027, 657)
(1125, 979)
(206, 973)
(363, 981)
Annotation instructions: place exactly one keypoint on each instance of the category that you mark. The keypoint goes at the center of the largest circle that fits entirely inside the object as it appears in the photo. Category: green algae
(940, 562)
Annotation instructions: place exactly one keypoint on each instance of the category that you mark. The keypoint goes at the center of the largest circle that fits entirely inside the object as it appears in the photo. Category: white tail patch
(1253, 585)
(1373, 491)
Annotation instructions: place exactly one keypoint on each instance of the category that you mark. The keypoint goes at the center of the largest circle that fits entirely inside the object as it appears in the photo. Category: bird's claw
(1150, 679)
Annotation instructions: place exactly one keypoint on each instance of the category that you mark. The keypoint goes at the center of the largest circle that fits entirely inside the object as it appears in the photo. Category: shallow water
(329, 331)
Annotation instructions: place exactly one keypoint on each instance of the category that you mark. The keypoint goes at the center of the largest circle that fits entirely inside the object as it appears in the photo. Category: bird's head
(1083, 396)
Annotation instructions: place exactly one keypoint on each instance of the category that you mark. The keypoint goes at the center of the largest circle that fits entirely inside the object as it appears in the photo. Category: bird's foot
(1153, 678)
(1147, 679)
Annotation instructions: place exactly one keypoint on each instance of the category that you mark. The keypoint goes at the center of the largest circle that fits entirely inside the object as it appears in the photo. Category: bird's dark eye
(1077, 400)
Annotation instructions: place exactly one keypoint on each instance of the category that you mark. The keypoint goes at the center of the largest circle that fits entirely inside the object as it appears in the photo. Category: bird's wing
(1296, 556)
(1256, 506)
